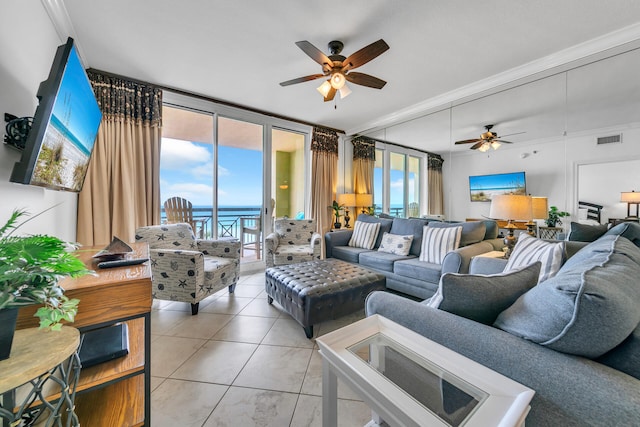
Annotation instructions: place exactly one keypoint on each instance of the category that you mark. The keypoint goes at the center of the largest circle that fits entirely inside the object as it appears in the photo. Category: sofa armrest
(220, 248)
(486, 265)
(497, 243)
(457, 261)
(178, 262)
(316, 245)
(336, 238)
(271, 242)
(570, 390)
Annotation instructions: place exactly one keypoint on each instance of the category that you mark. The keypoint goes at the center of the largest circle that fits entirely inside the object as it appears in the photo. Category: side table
(47, 366)
(550, 233)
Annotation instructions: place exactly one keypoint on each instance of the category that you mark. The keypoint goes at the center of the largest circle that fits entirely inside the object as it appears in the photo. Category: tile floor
(240, 362)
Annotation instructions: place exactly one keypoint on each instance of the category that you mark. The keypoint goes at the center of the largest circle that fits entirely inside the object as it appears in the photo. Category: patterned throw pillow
(437, 242)
(529, 249)
(364, 234)
(396, 244)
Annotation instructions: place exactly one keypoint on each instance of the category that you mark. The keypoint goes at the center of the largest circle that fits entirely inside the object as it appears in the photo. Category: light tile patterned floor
(240, 363)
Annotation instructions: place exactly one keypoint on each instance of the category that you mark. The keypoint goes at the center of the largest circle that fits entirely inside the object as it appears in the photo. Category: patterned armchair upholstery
(291, 242)
(188, 269)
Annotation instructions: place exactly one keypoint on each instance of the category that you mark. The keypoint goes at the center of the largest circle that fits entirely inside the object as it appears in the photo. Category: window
(397, 176)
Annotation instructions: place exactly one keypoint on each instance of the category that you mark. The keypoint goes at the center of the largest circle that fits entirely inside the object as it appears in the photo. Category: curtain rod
(211, 99)
(396, 144)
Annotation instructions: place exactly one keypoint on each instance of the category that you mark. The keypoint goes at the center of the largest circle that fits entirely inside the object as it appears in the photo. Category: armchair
(291, 242)
(187, 269)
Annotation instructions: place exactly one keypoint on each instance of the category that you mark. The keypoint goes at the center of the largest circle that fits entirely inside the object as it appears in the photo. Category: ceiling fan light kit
(338, 68)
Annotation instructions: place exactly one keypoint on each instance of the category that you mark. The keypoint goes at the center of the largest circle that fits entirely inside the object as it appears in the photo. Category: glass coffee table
(409, 380)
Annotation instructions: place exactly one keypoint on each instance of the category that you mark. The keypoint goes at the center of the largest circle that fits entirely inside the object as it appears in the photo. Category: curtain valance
(364, 148)
(434, 162)
(324, 140)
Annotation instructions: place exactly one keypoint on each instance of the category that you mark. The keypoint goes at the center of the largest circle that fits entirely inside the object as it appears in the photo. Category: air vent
(609, 139)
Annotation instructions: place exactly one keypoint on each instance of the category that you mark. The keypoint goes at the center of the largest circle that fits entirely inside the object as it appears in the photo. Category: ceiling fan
(487, 140)
(338, 68)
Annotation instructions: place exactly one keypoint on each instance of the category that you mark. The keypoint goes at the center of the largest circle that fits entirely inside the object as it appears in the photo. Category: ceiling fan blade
(315, 54)
(302, 79)
(331, 94)
(511, 134)
(365, 80)
(468, 141)
(365, 55)
(477, 145)
(502, 141)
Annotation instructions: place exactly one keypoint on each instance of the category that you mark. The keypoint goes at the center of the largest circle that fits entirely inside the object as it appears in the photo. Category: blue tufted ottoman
(315, 291)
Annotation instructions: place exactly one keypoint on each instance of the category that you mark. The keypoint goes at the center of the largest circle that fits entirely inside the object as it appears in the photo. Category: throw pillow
(529, 249)
(483, 297)
(364, 234)
(438, 242)
(396, 244)
(588, 308)
(586, 233)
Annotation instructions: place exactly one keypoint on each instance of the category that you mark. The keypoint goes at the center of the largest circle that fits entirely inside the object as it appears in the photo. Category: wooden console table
(117, 392)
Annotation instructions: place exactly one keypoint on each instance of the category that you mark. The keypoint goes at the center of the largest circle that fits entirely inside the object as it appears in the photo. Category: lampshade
(484, 147)
(364, 200)
(630, 197)
(337, 80)
(539, 207)
(510, 207)
(324, 88)
(344, 91)
(348, 200)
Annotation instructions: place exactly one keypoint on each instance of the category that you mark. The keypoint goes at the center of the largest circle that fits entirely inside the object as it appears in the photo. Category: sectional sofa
(406, 273)
(573, 338)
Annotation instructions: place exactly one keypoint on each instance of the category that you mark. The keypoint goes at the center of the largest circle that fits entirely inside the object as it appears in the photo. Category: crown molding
(61, 21)
(575, 56)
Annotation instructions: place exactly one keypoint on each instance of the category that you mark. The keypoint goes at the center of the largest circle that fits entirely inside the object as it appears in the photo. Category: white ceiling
(238, 51)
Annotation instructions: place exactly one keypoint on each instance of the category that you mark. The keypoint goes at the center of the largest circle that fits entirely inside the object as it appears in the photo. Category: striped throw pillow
(364, 234)
(529, 249)
(437, 242)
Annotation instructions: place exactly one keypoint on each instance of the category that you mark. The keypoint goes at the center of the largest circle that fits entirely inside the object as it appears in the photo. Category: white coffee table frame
(507, 403)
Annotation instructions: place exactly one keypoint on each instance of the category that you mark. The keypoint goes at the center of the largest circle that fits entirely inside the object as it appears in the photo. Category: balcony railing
(228, 220)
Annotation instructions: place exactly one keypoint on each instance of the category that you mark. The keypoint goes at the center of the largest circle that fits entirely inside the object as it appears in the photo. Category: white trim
(570, 57)
(61, 21)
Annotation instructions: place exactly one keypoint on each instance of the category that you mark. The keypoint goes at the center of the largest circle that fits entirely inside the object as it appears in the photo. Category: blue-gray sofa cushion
(419, 270)
(385, 225)
(586, 232)
(412, 226)
(589, 307)
(472, 231)
(380, 260)
(626, 356)
(630, 230)
(348, 253)
(483, 297)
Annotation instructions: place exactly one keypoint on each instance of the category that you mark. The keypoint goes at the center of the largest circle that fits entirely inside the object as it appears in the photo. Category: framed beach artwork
(483, 187)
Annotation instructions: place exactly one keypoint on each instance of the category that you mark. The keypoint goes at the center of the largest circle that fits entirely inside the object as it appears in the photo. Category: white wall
(551, 172)
(28, 42)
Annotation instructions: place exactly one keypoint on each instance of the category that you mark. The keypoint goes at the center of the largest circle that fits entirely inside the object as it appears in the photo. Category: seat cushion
(529, 249)
(347, 253)
(380, 260)
(418, 270)
(291, 254)
(483, 297)
(589, 307)
(438, 242)
(396, 244)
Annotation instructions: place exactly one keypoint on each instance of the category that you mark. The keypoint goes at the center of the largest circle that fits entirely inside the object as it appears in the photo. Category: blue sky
(75, 104)
(186, 170)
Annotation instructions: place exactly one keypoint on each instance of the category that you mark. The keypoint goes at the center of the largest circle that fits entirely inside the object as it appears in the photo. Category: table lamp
(539, 210)
(630, 198)
(364, 201)
(348, 200)
(510, 207)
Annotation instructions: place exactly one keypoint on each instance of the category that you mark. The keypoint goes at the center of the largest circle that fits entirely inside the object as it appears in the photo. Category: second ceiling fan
(487, 140)
(338, 68)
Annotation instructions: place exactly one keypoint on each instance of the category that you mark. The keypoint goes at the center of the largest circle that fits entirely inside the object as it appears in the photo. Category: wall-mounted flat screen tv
(483, 187)
(65, 126)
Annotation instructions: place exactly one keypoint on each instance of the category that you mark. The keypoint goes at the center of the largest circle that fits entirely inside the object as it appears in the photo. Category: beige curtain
(122, 189)
(435, 191)
(324, 177)
(364, 160)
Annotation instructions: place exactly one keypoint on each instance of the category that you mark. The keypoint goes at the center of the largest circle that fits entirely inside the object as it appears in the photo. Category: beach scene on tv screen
(484, 187)
(70, 134)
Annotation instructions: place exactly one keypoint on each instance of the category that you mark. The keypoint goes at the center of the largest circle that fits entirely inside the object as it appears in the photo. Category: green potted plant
(553, 218)
(30, 268)
(336, 211)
